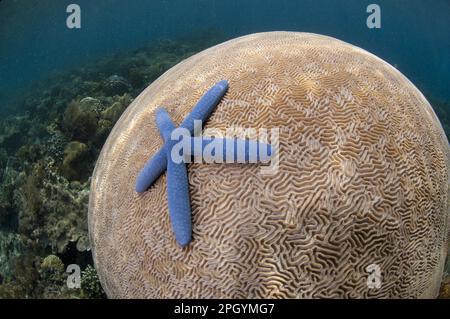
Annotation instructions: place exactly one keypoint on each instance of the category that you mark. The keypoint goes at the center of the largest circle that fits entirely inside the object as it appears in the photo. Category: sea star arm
(204, 107)
(156, 165)
(177, 184)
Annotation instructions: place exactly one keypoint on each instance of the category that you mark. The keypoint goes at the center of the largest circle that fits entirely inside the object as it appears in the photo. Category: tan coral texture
(362, 179)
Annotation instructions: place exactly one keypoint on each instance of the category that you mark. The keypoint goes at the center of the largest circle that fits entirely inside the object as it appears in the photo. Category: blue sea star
(201, 111)
(177, 178)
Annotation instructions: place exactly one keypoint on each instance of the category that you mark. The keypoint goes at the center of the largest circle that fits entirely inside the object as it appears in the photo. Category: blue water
(34, 39)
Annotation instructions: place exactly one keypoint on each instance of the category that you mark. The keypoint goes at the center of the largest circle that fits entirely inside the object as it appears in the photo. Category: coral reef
(74, 162)
(43, 202)
(49, 142)
(116, 85)
(79, 121)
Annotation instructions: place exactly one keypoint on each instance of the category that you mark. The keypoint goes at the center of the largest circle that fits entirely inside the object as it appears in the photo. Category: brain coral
(362, 179)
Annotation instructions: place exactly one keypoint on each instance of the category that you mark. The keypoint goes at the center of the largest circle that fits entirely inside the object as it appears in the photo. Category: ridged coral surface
(363, 179)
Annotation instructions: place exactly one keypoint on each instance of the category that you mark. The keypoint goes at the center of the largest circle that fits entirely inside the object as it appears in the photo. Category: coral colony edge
(361, 183)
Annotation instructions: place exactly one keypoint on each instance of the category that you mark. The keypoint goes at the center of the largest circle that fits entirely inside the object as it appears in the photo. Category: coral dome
(362, 180)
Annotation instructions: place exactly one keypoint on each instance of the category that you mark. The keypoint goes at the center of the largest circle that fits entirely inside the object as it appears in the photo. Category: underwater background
(62, 90)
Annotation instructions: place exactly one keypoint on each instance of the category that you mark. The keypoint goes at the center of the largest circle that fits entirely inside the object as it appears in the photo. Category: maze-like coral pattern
(363, 179)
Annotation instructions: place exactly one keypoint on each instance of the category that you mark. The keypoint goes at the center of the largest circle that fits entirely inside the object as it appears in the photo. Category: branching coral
(90, 284)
